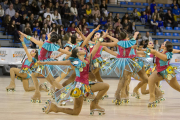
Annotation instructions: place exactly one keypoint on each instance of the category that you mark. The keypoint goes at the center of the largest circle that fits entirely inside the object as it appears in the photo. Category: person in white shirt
(67, 1)
(147, 37)
(1, 11)
(96, 20)
(74, 12)
(56, 17)
(10, 11)
(48, 13)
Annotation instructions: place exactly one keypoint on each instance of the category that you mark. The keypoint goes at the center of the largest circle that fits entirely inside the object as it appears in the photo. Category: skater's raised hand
(77, 30)
(97, 28)
(21, 38)
(105, 34)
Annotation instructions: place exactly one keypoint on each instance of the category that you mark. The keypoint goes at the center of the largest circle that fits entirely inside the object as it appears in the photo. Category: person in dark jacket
(169, 18)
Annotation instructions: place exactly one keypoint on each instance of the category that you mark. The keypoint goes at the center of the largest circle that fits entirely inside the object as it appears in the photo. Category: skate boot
(94, 107)
(153, 104)
(50, 107)
(36, 98)
(43, 87)
(136, 95)
(11, 87)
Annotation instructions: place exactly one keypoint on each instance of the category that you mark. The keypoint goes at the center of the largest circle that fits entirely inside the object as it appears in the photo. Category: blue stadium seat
(158, 9)
(175, 34)
(130, 9)
(138, 3)
(165, 11)
(123, 3)
(138, 9)
(91, 30)
(175, 41)
(87, 23)
(167, 34)
(143, 9)
(159, 34)
(167, 40)
(130, 3)
(160, 5)
(145, 4)
(168, 28)
(176, 28)
(175, 47)
(167, 5)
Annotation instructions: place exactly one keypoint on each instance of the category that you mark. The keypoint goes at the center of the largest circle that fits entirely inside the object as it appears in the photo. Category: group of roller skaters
(83, 57)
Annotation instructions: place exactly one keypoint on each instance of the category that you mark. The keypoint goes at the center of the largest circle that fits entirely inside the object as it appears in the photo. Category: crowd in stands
(40, 17)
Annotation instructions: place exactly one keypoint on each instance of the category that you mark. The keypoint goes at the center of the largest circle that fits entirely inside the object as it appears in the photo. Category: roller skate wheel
(88, 101)
(100, 113)
(119, 103)
(84, 99)
(112, 101)
(102, 98)
(155, 105)
(91, 113)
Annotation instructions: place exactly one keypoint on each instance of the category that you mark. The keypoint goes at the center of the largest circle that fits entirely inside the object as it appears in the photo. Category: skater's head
(124, 36)
(97, 35)
(168, 46)
(34, 53)
(77, 52)
(53, 37)
(150, 44)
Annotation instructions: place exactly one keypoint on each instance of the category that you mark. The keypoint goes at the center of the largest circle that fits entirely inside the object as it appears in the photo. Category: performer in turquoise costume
(48, 71)
(163, 71)
(81, 87)
(24, 74)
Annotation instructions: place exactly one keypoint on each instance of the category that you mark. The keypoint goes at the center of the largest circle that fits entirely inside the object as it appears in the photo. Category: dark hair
(74, 53)
(36, 56)
(123, 35)
(73, 39)
(54, 37)
(169, 46)
(28, 31)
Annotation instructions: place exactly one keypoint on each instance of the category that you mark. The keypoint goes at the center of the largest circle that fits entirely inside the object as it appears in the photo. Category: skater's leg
(26, 85)
(174, 84)
(70, 79)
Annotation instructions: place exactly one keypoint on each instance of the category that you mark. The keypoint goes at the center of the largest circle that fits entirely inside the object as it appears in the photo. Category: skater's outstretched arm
(25, 48)
(93, 52)
(159, 55)
(111, 44)
(64, 51)
(37, 42)
(175, 51)
(109, 51)
(80, 33)
(60, 54)
(67, 62)
(89, 36)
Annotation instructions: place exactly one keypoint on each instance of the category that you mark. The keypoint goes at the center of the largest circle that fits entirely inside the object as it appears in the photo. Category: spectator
(80, 27)
(23, 2)
(23, 21)
(110, 29)
(133, 28)
(148, 12)
(28, 8)
(17, 20)
(176, 13)
(82, 22)
(88, 12)
(81, 3)
(71, 29)
(13, 31)
(156, 45)
(82, 12)
(61, 4)
(103, 7)
(10, 11)
(56, 17)
(35, 36)
(1, 12)
(67, 2)
(146, 43)
(160, 25)
(62, 33)
(156, 14)
(135, 15)
(96, 11)
(126, 29)
(6, 23)
(87, 29)
(126, 16)
(50, 6)
(39, 3)
(152, 6)
(154, 24)
(17, 5)
(97, 3)
(37, 28)
(126, 23)
(57, 7)
(34, 8)
(75, 2)
(144, 18)
(67, 13)
(103, 21)
(84, 32)
(110, 16)
(174, 4)
(22, 11)
(48, 20)
(28, 26)
(110, 22)
(45, 28)
(118, 23)
(116, 18)
(139, 38)
(147, 37)
(96, 20)
(169, 18)
(48, 13)
(31, 21)
(74, 13)
(118, 30)
(54, 26)
(4, 4)
(40, 21)
(161, 13)
(59, 42)
(43, 37)
(152, 11)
